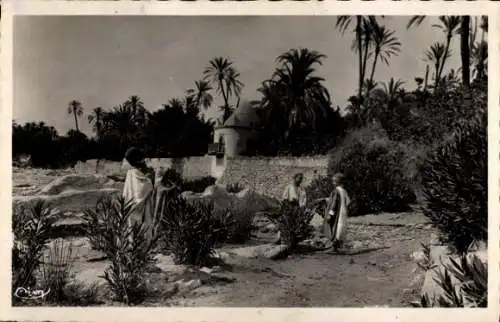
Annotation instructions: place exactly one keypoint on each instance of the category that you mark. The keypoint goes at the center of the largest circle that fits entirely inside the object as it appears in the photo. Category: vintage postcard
(252, 161)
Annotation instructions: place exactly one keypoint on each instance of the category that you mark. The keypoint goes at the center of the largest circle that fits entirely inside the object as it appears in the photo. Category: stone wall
(270, 175)
(193, 167)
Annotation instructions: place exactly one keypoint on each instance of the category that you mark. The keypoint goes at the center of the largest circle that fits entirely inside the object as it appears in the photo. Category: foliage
(189, 230)
(472, 276)
(79, 294)
(126, 243)
(374, 176)
(235, 187)
(455, 183)
(236, 223)
(294, 223)
(320, 187)
(56, 270)
(31, 233)
(198, 185)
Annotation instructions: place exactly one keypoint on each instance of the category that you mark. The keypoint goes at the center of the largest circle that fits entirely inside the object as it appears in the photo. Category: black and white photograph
(306, 161)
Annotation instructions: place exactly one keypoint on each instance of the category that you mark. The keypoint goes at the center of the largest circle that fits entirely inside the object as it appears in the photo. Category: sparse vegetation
(472, 289)
(294, 223)
(189, 230)
(127, 246)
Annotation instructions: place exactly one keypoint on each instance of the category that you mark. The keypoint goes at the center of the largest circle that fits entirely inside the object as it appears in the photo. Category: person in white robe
(139, 189)
(336, 213)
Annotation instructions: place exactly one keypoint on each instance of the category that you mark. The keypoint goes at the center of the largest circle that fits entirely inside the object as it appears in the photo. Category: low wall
(192, 167)
(270, 175)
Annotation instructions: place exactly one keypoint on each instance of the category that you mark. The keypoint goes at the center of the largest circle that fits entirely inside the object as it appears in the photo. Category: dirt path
(382, 277)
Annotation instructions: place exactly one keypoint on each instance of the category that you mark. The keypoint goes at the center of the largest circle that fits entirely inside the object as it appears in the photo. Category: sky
(102, 60)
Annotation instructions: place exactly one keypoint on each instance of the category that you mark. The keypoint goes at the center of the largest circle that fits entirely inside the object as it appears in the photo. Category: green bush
(472, 276)
(129, 248)
(189, 230)
(236, 223)
(198, 185)
(294, 223)
(235, 187)
(56, 270)
(454, 178)
(31, 227)
(374, 176)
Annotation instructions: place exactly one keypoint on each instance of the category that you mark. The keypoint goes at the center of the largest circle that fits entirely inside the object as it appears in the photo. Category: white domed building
(231, 138)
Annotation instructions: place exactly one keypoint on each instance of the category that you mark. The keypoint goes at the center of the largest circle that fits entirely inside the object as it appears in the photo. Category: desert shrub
(128, 246)
(472, 276)
(374, 176)
(235, 187)
(56, 270)
(454, 178)
(198, 185)
(320, 187)
(171, 177)
(235, 223)
(294, 223)
(189, 230)
(31, 227)
(79, 294)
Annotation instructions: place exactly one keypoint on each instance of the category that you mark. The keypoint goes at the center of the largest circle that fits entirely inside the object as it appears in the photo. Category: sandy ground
(385, 277)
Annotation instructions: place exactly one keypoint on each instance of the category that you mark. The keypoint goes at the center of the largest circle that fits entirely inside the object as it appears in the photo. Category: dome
(245, 116)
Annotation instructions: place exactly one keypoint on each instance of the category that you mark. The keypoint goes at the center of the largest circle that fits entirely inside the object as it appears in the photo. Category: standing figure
(138, 189)
(295, 193)
(336, 212)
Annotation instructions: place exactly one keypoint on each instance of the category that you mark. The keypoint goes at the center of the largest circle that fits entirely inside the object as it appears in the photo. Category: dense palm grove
(298, 115)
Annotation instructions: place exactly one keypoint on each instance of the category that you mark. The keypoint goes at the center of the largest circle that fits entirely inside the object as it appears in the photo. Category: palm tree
(393, 90)
(136, 106)
(222, 74)
(96, 120)
(343, 22)
(385, 43)
(480, 60)
(451, 25)
(436, 54)
(201, 94)
(75, 107)
(295, 92)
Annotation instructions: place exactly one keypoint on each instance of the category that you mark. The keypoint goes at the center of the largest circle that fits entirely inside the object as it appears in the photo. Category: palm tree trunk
(465, 50)
(426, 76)
(365, 59)
(360, 55)
(445, 56)
(377, 51)
(226, 104)
(76, 120)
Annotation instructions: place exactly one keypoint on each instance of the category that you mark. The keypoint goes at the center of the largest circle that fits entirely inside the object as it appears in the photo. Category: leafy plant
(294, 223)
(127, 244)
(56, 269)
(374, 176)
(31, 228)
(235, 223)
(189, 230)
(198, 185)
(455, 185)
(235, 187)
(427, 263)
(472, 290)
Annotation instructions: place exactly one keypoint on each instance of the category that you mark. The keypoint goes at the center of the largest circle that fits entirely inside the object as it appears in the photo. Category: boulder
(247, 199)
(76, 182)
(72, 200)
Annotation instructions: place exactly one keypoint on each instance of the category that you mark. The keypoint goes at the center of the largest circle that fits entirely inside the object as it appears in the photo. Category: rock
(74, 201)
(246, 199)
(206, 270)
(75, 182)
(186, 286)
(373, 263)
